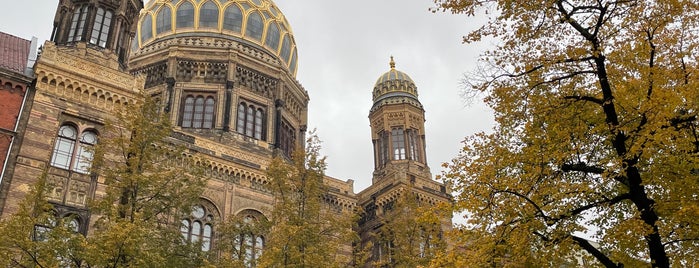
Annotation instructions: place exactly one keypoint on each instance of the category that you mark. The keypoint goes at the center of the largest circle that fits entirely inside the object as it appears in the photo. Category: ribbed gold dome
(394, 86)
(258, 22)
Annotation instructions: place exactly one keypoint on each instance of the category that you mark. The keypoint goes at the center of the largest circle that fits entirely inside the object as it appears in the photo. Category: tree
(596, 108)
(33, 237)
(305, 232)
(411, 234)
(149, 184)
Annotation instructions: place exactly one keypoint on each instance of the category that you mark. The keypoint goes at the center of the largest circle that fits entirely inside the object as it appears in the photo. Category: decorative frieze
(210, 72)
(257, 82)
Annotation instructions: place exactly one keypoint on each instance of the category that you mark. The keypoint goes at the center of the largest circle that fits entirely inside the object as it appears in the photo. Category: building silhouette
(225, 71)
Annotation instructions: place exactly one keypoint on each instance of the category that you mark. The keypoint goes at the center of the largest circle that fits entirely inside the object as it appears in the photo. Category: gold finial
(392, 63)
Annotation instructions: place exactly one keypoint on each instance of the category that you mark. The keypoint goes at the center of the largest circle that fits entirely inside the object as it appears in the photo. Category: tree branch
(587, 246)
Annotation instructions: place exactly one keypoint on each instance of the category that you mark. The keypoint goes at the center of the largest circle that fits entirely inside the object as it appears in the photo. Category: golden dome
(394, 86)
(256, 22)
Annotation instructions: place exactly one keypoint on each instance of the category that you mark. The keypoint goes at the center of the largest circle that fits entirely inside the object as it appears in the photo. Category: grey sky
(344, 46)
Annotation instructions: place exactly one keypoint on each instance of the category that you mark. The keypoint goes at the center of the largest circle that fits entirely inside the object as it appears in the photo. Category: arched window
(208, 15)
(188, 112)
(77, 24)
(185, 15)
(250, 243)
(64, 151)
(272, 39)
(208, 113)
(100, 30)
(64, 147)
(146, 28)
(398, 139)
(88, 139)
(412, 142)
(251, 120)
(287, 138)
(259, 118)
(198, 112)
(241, 118)
(254, 26)
(198, 227)
(381, 148)
(163, 21)
(233, 19)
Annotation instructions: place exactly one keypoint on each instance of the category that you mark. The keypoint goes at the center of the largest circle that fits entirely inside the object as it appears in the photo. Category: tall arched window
(185, 15)
(251, 120)
(100, 30)
(198, 227)
(77, 24)
(250, 243)
(198, 112)
(412, 142)
(208, 15)
(254, 26)
(88, 139)
(382, 149)
(233, 18)
(163, 21)
(64, 147)
(398, 138)
(64, 150)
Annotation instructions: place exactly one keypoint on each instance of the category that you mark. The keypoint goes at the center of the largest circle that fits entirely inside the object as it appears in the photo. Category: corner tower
(105, 25)
(398, 135)
(397, 128)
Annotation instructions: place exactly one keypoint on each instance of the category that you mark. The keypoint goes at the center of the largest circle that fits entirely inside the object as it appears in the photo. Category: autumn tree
(411, 233)
(149, 183)
(34, 237)
(595, 144)
(305, 232)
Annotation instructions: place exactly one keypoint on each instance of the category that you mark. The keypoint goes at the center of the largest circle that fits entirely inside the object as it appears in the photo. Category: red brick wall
(11, 96)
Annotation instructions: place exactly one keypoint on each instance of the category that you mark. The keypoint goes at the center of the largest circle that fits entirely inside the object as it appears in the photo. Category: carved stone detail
(257, 82)
(210, 72)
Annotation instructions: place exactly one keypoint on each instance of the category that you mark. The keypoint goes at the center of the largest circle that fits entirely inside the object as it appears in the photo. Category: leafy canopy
(596, 108)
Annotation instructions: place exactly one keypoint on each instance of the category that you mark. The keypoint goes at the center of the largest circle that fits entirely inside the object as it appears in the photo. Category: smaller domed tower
(398, 136)
(397, 127)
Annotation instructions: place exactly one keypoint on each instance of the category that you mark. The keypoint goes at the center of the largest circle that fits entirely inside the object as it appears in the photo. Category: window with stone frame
(413, 144)
(398, 143)
(198, 111)
(77, 24)
(100, 29)
(73, 150)
(249, 243)
(381, 149)
(198, 227)
(251, 120)
(70, 221)
(287, 138)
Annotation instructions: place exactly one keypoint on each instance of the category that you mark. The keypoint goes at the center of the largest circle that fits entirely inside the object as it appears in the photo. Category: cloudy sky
(344, 46)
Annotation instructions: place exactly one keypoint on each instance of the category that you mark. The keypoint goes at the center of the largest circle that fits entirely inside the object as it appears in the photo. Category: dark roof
(14, 52)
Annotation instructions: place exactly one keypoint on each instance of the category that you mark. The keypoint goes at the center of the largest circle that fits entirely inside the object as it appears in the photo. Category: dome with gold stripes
(394, 86)
(256, 22)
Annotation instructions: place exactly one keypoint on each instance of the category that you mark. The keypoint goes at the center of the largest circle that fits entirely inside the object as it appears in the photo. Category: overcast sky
(343, 47)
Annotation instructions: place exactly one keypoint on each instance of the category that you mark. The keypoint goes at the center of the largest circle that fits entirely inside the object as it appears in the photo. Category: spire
(392, 63)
